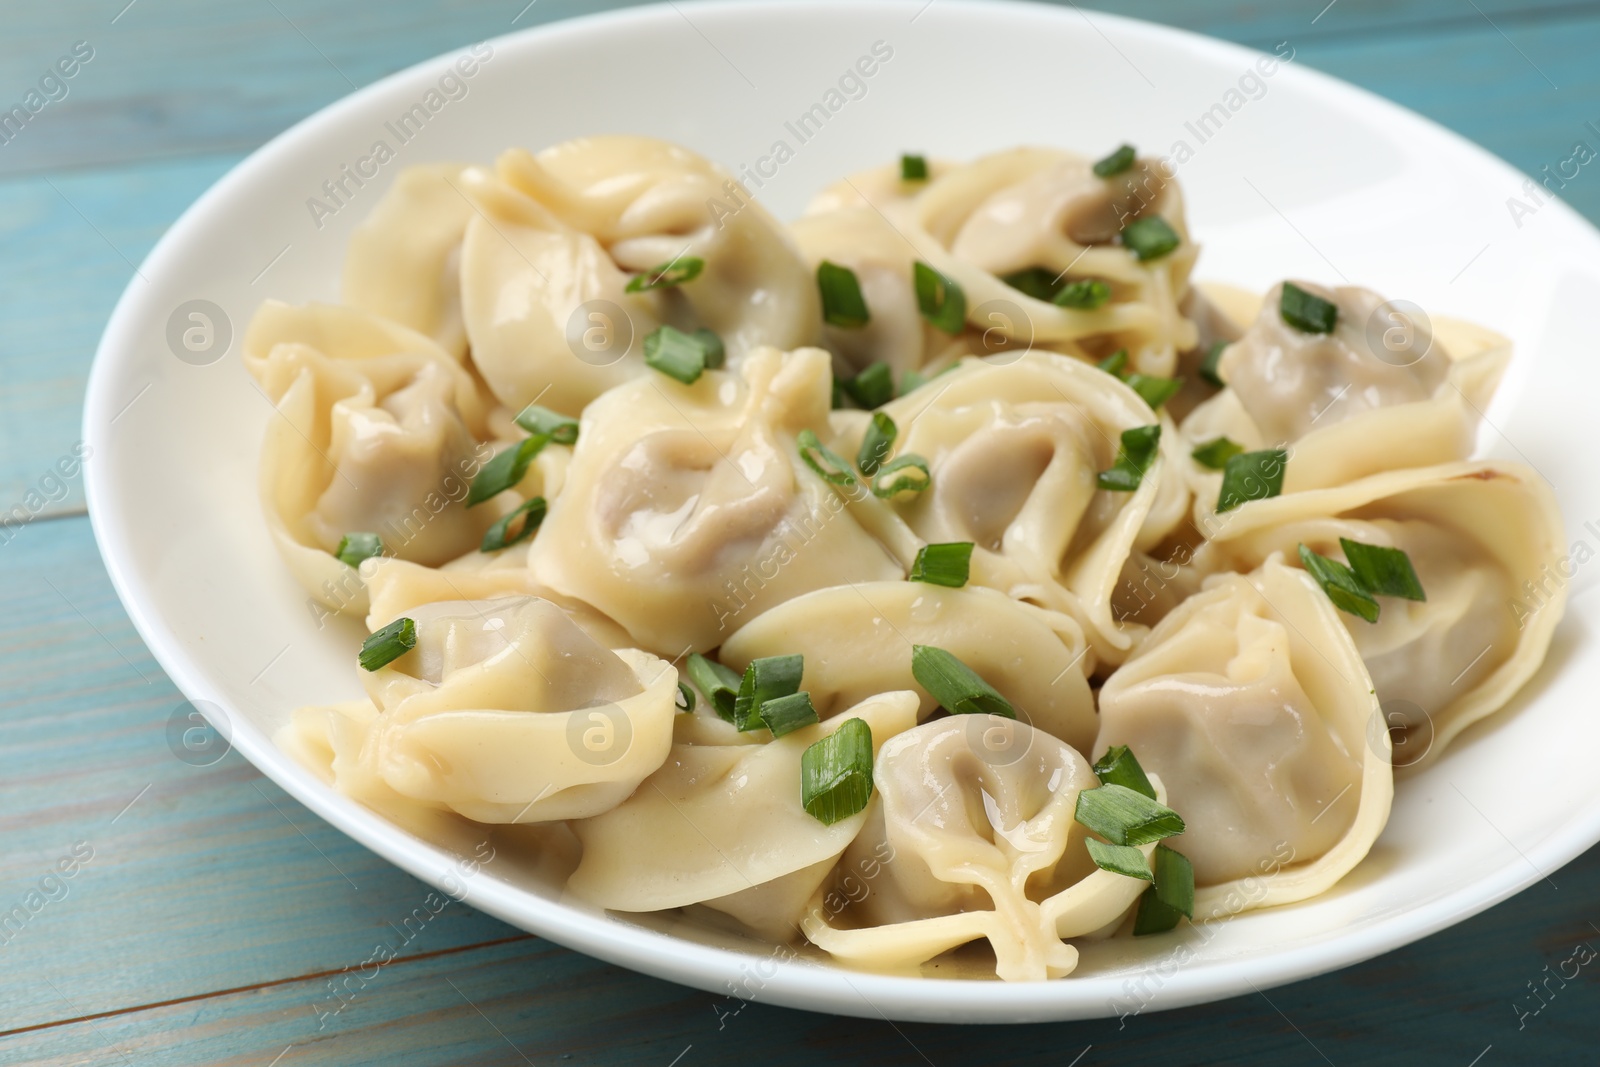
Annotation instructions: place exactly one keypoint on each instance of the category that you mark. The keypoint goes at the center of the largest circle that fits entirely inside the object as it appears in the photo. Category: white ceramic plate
(1306, 176)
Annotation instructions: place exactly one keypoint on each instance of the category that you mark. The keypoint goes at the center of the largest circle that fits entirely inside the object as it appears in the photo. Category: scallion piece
(716, 352)
(1138, 451)
(910, 476)
(1252, 476)
(1307, 312)
(836, 773)
(388, 644)
(505, 470)
(356, 548)
(531, 512)
(842, 302)
(561, 429)
(1383, 571)
(873, 387)
(877, 443)
(767, 678)
(719, 684)
(685, 701)
(674, 353)
(1118, 767)
(1115, 363)
(784, 715)
(940, 299)
(1150, 238)
(913, 168)
(815, 454)
(1170, 897)
(1152, 389)
(1119, 859)
(948, 564)
(1216, 453)
(1344, 589)
(1036, 282)
(1115, 163)
(1125, 817)
(1208, 365)
(1085, 294)
(957, 687)
(668, 274)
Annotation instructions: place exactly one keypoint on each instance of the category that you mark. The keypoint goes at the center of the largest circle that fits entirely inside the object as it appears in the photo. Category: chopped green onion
(1138, 451)
(877, 443)
(1306, 312)
(842, 302)
(1347, 592)
(767, 678)
(716, 353)
(1036, 282)
(1383, 571)
(1216, 453)
(1118, 767)
(1085, 294)
(505, 470)
(356, 548)
(1119, 859)
(815, 453)
(1170, 898)
(913, 168)
(676, 354)
(388, 644)
(1125, 817)
(916, 379)
(1252, 476)
(957, 687)
(532, 513)
(1115, 363)
(1115, 163)
(940, 299)
(1150, 238)
(913, 476)
(719, 684)
(1208, 365)
(948, 564)
(561, 429)
(785, 715)
(836, 773)
(671, 273)
(873, 387)
(1152, 389)
(685, 701)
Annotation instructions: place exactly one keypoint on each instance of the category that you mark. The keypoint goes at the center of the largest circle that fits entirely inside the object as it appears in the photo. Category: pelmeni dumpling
(974, 838)
(404, 259)
(1384, 388)
(546, 264)
(723, 826)
(1478, 534)
(1252, 705)
(857, 641)
(378, 431)
(504, 712)
(687, 508)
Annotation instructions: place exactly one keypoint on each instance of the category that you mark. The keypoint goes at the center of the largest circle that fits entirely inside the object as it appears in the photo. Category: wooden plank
(197, 878)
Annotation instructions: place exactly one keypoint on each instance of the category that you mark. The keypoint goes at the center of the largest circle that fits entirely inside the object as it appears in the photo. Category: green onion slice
(913, 168)
(1170, 897)
(911, 472)
(531, 512)
(842, 302)
(671, 273)
(1383, 571)
(1036, 282)
(1085, 294)
(1115, 363)
(561, 429)
(836, 773)
(1208, 365)
(1153, 389)
(1118, 767)
(1306, 312)
(719, 684)
(1252, 476)
(1115, 163)
(1216, 453)
(767, 678)
(940, 299)
(948, 564)
(957, 687)
(1347, 591)
(1119, 859)
(716, 352)
(815, 454)
(685, 701)
(1150, 238)
(1138, 451)
(1125, 817)
(674, 353)
(505, 470)
(873, 387)
(877, 443)
(356, 548)
(784, 715)
(388, 644)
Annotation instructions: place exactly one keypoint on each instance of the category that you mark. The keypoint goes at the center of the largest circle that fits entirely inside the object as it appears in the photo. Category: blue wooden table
(184, 914)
